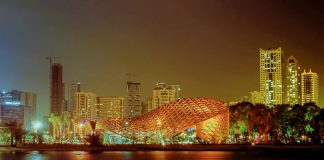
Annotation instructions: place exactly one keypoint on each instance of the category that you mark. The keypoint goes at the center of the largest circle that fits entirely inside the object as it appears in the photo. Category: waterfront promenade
(140, 147)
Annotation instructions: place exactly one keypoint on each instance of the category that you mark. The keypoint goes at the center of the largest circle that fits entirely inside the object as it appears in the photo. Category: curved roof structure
(172, 119)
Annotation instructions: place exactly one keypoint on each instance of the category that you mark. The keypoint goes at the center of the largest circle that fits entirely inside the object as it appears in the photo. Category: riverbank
(61, 147)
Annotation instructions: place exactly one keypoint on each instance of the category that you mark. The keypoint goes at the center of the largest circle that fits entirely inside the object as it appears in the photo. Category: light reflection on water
(145, 155)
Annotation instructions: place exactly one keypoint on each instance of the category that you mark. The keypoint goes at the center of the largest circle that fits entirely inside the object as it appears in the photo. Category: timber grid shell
(210, 117)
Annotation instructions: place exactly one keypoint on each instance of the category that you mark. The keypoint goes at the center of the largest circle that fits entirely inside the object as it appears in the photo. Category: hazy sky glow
(208, 47)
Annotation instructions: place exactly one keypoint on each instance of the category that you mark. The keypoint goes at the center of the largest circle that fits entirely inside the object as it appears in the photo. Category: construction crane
(129, 75)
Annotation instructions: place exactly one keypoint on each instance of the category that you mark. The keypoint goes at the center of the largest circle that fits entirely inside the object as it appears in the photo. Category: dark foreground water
(157, 155)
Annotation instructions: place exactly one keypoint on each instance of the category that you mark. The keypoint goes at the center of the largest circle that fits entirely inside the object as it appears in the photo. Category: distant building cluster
(283, 82)
(80, 106)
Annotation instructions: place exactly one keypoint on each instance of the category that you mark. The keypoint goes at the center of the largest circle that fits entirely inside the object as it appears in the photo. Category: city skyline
(197, 64)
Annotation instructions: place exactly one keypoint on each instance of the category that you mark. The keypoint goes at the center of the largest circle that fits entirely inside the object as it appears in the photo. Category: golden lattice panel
(172, 119)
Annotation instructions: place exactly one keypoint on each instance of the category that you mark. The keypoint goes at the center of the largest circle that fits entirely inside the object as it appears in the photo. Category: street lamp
(81, 130)
(37, 125)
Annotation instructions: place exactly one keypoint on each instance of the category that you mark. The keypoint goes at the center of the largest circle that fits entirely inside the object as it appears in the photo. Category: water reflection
(35, 155)
(148, 155)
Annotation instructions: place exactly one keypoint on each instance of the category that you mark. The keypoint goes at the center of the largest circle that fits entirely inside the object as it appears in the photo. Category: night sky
(210, 47)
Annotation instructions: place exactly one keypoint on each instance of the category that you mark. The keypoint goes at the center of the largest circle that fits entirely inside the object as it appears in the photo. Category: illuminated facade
(147, 105)
(209, 117)
(85, 110)
(164, 94)
(73, 87)
(28, 100)
(85, 107)
(271, 82)
(18, 106)
(293, 84)
(11, 108)
(134, 104)
(56, 89)
(309, 87)
(111, 107)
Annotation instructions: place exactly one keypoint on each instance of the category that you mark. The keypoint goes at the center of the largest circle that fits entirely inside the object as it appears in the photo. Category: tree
(94, 139)
(11, 126)
(260, 120)
(319, 121)
(311, 112)
(65, 124)
(56, 125)
(281, 123)
(16, 132)
(239, 120)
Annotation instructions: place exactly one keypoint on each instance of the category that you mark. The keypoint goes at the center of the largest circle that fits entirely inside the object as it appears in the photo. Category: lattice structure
(210, 116)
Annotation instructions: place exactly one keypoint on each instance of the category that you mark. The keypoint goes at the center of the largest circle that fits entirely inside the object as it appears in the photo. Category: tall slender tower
(293, 85)
(271, 87)
(309, 87)
(73, 87)
(56, 89)
(134, 104)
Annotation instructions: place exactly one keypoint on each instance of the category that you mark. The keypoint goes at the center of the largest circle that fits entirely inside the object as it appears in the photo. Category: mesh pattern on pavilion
(210, 116)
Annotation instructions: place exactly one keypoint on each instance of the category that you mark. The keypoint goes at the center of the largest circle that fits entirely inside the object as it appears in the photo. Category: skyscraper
(18, 106)
(271, 86)
(309, 87)
(85, 110)
(134, 104)
(10, 107)
(56, 89)
(164, 93)
(293, 84)
(110, 107)
(85, 107)
(73, 87)
(28, 100)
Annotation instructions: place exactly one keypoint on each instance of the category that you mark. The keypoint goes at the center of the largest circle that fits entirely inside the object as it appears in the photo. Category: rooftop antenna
(129, 75)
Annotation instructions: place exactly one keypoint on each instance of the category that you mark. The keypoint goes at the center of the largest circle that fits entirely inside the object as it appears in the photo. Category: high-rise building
(134, 104)
(293, 85)
(110, 107)
(309, 87)
(56, 89)
(271, 83)
(147, 105)
(28, 100)
(85, 107)
(85, 110)
(164, 94)
(65, 102)
(10, 107)
(73, 87)
(18, 106)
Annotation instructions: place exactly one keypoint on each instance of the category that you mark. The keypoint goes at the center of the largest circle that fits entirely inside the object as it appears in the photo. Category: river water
(153, 155)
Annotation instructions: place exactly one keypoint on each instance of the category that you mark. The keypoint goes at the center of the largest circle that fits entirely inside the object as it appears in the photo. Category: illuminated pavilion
(209, 118)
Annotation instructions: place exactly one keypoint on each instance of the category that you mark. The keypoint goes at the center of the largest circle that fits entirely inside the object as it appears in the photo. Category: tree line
(282, 124)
